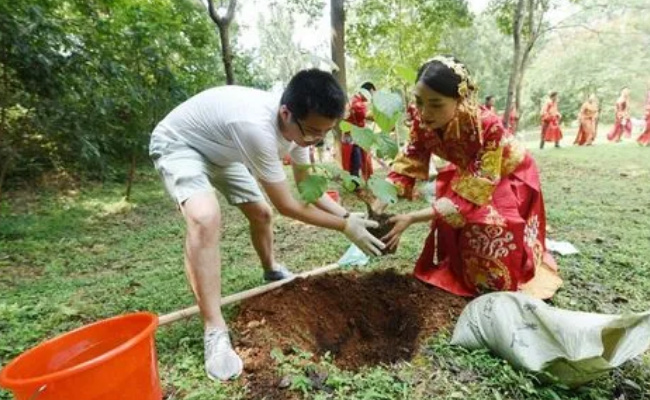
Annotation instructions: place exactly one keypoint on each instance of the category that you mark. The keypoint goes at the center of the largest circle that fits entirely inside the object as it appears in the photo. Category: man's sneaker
(278, 272)
(221, 361)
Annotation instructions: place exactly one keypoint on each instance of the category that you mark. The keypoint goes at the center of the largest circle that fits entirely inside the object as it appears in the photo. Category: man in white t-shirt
(228, 137)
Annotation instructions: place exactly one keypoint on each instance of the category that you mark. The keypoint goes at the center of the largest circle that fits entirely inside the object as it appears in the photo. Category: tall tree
(337, 17)
(526, 21)
(222, 17)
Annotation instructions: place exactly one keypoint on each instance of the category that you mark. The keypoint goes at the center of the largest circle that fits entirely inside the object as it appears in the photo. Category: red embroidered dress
(489, 227)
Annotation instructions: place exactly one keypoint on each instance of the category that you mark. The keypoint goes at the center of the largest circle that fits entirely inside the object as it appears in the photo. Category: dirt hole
(360, 319)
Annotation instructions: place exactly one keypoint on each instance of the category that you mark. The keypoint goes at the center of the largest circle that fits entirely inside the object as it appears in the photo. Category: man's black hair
(369, 86)
(314, 91)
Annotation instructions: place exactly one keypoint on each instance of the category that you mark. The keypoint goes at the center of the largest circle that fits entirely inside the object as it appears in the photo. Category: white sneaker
(221, 361)
(278, 272)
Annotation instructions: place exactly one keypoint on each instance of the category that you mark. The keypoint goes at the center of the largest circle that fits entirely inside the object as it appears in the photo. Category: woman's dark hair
(440, 78)
(488, 98)
(552, 94)
(314, 91)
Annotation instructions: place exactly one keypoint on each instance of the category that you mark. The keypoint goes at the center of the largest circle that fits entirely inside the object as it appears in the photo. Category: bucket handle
(38, 392)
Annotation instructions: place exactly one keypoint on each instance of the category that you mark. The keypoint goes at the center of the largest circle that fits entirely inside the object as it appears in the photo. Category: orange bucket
(334, 195)
(113, 359)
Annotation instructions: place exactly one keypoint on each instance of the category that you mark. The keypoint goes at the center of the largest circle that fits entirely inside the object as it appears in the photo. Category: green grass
(67, 259)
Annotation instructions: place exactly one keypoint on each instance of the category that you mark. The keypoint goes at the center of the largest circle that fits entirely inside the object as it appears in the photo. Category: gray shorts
(185, 172)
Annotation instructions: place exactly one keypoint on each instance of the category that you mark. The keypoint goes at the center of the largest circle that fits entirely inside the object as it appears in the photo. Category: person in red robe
(488, 106)
(588, 119)
(513, 120)
(551, 118)
(644, 138)
(622, 124)
(354, 158)
(488, 224)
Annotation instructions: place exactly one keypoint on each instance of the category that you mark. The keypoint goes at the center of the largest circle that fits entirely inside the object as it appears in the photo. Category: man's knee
(203, 222)
(260, 214)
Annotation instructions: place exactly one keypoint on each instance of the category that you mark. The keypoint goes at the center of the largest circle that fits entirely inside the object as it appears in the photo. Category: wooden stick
(233, 298)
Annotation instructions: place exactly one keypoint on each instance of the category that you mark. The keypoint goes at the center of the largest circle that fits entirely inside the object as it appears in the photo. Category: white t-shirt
(230, 124)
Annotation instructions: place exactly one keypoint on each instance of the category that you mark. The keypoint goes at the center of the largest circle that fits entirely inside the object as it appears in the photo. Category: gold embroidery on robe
(514, 157)
(494, 218)
(491, 163)
(485, 274)
(472, 188)
(410, 166)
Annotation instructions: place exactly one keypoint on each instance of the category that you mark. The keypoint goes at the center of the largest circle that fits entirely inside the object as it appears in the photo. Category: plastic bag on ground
(575, 347)
(353, 257)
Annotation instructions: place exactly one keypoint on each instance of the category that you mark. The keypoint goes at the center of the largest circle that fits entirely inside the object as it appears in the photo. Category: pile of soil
(360, 319)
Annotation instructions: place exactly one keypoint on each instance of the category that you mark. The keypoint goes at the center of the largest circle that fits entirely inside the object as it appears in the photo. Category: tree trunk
(4, 130)
(223, 26)
(516, 59)
(226, 54)
(337, 18)
(4, 168)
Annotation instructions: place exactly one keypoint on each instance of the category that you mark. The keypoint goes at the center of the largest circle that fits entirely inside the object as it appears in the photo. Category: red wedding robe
(489, 228)
(551, 122)
(623, 124)
(644, 138)
(587, 118)
(357, 116)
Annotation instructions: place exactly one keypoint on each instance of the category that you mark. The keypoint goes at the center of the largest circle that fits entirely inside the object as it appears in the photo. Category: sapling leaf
(385, 191)
(312, 188)
(364, 137)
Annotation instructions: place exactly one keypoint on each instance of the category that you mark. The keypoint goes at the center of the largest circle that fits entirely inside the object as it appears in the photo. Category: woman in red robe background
(644, 138)
(623, 124)
(513, 120)
(551, 117)
(587, 118)
(353, 157)
(488, 224)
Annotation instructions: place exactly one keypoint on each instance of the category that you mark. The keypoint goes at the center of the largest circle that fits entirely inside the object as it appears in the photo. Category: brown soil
(384, 227)
(359, 319)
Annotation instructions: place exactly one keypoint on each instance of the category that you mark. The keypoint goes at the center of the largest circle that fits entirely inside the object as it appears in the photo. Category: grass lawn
(67, 259)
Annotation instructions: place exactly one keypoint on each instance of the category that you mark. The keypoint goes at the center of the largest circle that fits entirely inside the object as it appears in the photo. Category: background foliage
(84, 82)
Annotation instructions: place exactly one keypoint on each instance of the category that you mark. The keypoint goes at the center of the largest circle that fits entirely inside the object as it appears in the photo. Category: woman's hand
(401, 221)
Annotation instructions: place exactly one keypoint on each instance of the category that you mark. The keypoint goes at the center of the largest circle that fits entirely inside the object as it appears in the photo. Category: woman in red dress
(587, 118)
(551, 117)
(513, 120)
(644, 139)
(623, 124)
(488, 223)
(355, 159)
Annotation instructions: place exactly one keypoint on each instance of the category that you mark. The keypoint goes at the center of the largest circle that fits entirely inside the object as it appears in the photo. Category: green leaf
(312, 188)
(331, 170)
(385, 191)
(387, 108)
(350, 182)
(387, 148)
(345, 126)
(406, 73)
(364, 137)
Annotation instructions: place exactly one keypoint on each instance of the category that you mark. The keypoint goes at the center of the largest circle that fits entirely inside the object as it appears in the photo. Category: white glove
(356, 230)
